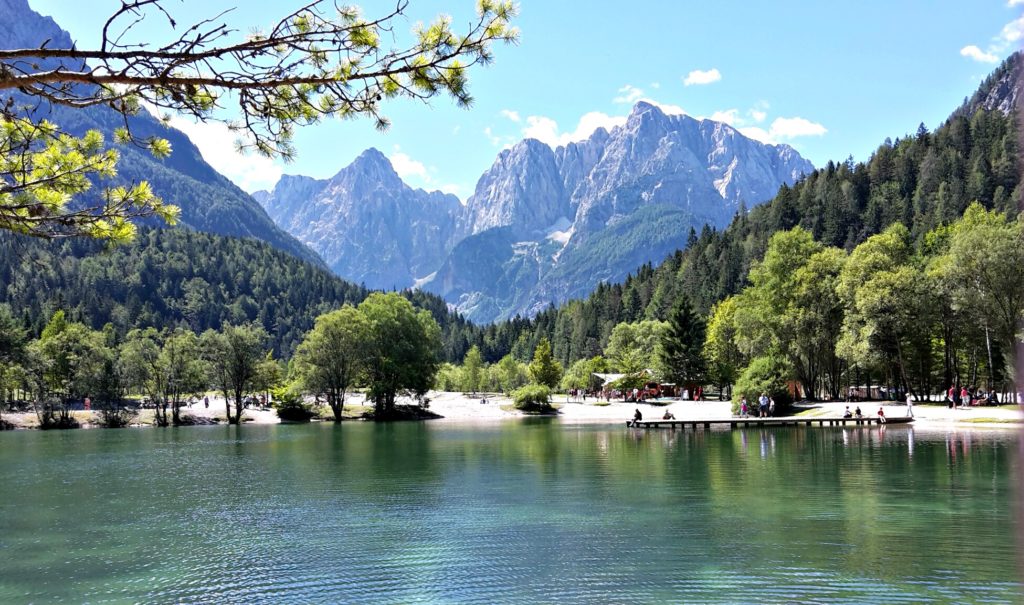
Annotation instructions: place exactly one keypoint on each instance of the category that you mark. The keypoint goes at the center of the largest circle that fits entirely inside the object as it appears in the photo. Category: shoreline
(471, 409)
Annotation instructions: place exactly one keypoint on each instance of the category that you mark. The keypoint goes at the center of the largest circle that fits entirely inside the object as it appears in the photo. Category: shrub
(290, 407)
(115, 416)
(766, 374)
(53, 414)
(532, 398)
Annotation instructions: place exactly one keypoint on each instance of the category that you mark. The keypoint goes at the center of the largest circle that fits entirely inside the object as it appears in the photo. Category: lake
(512, 512)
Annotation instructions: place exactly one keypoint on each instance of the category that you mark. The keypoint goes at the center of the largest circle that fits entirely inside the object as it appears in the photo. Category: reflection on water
(506, 513)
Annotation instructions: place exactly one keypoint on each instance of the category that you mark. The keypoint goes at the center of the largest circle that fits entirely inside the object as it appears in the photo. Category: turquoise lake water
(512, 512)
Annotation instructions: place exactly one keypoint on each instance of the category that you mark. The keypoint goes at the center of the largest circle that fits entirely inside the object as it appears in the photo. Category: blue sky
(832, 79)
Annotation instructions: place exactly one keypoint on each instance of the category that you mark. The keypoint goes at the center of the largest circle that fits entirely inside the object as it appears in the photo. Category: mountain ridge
(550, 204)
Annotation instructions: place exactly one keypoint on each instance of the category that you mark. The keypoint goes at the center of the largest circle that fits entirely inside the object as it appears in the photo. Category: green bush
(115, 416)
(290, 407)
(766, 374)
(533, 398)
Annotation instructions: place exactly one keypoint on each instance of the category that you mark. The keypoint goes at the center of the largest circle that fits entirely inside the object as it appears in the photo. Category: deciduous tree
(330, 357)
(401, 351)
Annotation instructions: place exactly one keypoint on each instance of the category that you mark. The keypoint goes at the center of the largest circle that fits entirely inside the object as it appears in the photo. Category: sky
(832, 79)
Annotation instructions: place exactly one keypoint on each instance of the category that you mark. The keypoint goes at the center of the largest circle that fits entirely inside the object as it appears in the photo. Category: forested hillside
(177, 277)
(921, 180)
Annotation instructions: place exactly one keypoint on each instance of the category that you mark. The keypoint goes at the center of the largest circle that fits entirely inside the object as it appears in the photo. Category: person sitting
(668, 415)
(637, 417)
(858, 413)
(881, 416)
(847, 413)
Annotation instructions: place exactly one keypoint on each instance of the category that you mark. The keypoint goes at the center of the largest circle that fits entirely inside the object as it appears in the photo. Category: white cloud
(667, 108)
(789, 128)
(784, 128)
(498, 140)
(593, 120)
(758, 134)
(418, 174)
(408, 168)
(1009, 37)
(629, 94)
(657, 85)
(699, 76)
(729, 116)
(734, 118)
(510, 114)
(546, 130)
(1013, 31)
(758, 112)
(543, 129)
(216, 143)
(1014, 2)
(456, 190)
(977, 54)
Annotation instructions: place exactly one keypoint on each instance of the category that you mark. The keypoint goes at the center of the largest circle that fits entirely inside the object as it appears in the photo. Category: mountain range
(543, 225)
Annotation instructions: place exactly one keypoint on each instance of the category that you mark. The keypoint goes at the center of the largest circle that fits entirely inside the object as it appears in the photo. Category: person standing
(951, 396)
(965, 396)
(910, 405)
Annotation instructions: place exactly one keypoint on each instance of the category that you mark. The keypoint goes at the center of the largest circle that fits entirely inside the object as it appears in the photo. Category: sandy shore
(459, 407)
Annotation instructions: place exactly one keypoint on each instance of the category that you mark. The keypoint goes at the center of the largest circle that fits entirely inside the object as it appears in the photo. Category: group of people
(859, 414)
(964, 397)
(765, 406)
(637, 417)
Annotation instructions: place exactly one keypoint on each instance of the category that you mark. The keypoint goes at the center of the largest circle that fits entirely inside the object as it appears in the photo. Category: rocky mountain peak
(522, 190)
(370, 170)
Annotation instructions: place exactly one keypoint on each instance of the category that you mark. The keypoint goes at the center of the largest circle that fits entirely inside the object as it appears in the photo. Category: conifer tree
(681, 352)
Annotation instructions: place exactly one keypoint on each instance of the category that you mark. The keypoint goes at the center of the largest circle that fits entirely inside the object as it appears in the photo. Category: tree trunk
(237, 419)
(337, 404)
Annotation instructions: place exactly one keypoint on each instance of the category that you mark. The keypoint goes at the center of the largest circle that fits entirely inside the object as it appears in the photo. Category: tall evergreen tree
(681, 352)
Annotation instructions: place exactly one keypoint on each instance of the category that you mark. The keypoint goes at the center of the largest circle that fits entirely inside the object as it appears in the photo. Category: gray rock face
(1000, 90)
(366, 223)
(543, 225)
(704, 167)
(607, 205)
(522, 190)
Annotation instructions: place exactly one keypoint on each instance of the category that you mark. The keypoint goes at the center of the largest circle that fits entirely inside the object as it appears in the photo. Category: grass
(992, 420)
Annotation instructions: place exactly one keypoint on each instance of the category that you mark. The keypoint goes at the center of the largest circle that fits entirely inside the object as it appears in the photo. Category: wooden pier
(733, 423)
